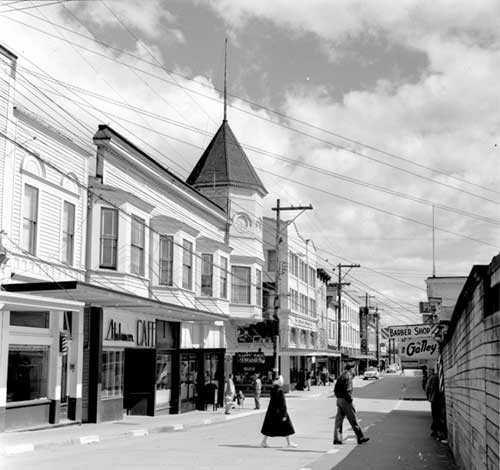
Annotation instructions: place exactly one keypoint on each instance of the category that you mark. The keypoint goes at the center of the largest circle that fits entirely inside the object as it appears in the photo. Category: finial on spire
(225, 81)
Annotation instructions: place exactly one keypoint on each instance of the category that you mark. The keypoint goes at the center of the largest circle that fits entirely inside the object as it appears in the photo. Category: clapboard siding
(472, 369)
(165, 203)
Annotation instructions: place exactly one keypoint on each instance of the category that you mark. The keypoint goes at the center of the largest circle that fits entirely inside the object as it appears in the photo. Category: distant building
(442, 294)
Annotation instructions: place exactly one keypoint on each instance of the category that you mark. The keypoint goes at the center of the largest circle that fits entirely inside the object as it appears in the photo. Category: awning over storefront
(308, 353)
(14, 301)
(103, 297)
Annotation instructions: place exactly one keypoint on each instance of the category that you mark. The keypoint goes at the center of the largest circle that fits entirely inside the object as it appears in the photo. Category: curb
(16, 449)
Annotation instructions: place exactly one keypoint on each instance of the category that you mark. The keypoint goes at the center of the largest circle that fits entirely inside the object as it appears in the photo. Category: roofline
(160, 166)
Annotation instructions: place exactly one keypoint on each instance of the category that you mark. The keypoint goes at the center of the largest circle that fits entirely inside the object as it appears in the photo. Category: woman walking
(229, 394)
(277, 421)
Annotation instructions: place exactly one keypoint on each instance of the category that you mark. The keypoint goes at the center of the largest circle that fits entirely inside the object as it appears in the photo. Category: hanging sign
(412, 331)
(416, 349)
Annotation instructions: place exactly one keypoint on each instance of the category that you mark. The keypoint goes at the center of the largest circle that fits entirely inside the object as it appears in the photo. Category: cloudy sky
(372, 112)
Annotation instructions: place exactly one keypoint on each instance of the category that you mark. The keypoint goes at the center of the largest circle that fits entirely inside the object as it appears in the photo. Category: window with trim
(312, 277)
(68, 233)
(27, 372)
(137, 246)
(223, 277)
(207, 268)
(258, 287)
(166, 261)
(187, 265)
(30, 218)
(112, 374)
(240, 284)
(109, 238)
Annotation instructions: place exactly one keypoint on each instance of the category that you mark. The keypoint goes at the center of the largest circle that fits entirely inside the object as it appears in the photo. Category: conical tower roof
(224, 163)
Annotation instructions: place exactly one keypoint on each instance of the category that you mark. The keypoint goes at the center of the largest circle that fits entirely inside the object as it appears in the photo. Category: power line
(337, 146)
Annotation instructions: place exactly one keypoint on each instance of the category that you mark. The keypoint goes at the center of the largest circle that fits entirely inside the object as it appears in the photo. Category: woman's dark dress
(273, 422)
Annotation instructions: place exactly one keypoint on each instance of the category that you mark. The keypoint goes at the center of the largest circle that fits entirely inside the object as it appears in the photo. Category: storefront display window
(112, 374)
(189, 376)
(28, 372)
(163, 379)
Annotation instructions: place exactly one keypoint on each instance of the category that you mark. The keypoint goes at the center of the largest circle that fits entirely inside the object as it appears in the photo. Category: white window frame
(137, 247)
(68, 235)
(168, 260)
(31, 245)
(113, 237)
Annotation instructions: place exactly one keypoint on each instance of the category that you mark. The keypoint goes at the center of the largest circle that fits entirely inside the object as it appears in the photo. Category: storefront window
(28, 372)
(163, 379)
(112, 374)
(189, 376)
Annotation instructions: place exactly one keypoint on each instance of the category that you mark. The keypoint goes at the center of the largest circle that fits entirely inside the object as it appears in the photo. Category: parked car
(392, 369)
(371, 373)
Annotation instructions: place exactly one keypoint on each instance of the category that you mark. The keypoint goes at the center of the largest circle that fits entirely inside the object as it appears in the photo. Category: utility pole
(377, 332)
(277, 302)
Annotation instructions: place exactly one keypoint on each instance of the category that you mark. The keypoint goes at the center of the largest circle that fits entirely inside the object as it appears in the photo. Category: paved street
(399, 431)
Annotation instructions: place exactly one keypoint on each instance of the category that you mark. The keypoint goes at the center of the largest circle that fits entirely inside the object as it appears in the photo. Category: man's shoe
(337, 442)
(363, 440)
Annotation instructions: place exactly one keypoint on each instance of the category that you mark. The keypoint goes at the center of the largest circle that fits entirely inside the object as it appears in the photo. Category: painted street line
(89, 439)
(19, 449)
(139, 432)
(178, 427)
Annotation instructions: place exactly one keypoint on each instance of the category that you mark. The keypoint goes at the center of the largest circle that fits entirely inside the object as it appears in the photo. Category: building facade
(471, 366)
(42, 206)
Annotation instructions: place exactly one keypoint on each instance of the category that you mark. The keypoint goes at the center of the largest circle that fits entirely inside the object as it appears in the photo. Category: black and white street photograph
(249, 234)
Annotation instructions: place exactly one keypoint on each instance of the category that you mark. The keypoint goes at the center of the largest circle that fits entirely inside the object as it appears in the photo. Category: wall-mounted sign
(301, 323)
(128, 330)
(414, 349)
(250, 358)
(411, 331)
(114, 332)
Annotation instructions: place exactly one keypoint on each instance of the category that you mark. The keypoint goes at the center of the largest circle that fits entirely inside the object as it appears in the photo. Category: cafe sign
(411, 331)
(128, 331)
(416, 349)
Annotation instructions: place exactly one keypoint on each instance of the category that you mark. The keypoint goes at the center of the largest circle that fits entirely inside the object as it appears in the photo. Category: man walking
(436, 397)
(345, 408)
(257, 389)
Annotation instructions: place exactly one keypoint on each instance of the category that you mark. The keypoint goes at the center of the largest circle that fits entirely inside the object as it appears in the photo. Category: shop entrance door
(139, 381)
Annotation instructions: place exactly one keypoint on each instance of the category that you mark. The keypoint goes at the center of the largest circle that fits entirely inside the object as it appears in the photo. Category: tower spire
(225, 80)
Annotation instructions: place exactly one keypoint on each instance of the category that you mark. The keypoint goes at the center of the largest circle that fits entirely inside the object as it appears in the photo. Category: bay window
(109, 238)
(240, 285)
(137, 246)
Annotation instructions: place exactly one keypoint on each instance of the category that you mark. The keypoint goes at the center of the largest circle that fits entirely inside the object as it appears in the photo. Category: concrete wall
(471, 356)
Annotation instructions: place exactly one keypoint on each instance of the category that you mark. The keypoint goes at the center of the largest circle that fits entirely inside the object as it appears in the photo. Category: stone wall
(471, 358)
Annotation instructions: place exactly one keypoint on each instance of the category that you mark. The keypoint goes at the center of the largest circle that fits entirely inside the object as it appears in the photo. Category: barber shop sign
(415, 349)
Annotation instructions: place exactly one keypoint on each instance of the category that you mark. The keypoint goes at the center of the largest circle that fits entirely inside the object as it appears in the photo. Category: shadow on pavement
(400, 441)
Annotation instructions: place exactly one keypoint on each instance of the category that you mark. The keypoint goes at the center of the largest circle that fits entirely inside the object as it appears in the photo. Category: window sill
(20, 404)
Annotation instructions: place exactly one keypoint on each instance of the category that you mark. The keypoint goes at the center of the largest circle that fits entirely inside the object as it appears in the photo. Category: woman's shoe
(293, 445)
(263, 444)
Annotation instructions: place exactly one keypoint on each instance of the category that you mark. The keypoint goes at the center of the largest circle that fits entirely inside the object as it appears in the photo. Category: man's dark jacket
(343, 386)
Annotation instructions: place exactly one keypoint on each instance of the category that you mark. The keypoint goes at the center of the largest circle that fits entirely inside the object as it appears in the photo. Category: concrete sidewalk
(16, 442)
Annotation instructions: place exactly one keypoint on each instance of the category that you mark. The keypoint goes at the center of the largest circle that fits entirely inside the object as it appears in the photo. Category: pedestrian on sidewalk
(229, 394)
(277, 421)
(345, 407)
(257, 389)
(436, 397)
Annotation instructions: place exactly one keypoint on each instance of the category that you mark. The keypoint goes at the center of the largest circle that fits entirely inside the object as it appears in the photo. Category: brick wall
(472, 368)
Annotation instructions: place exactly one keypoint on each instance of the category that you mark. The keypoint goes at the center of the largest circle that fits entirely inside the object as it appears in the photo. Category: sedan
(371, 373)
